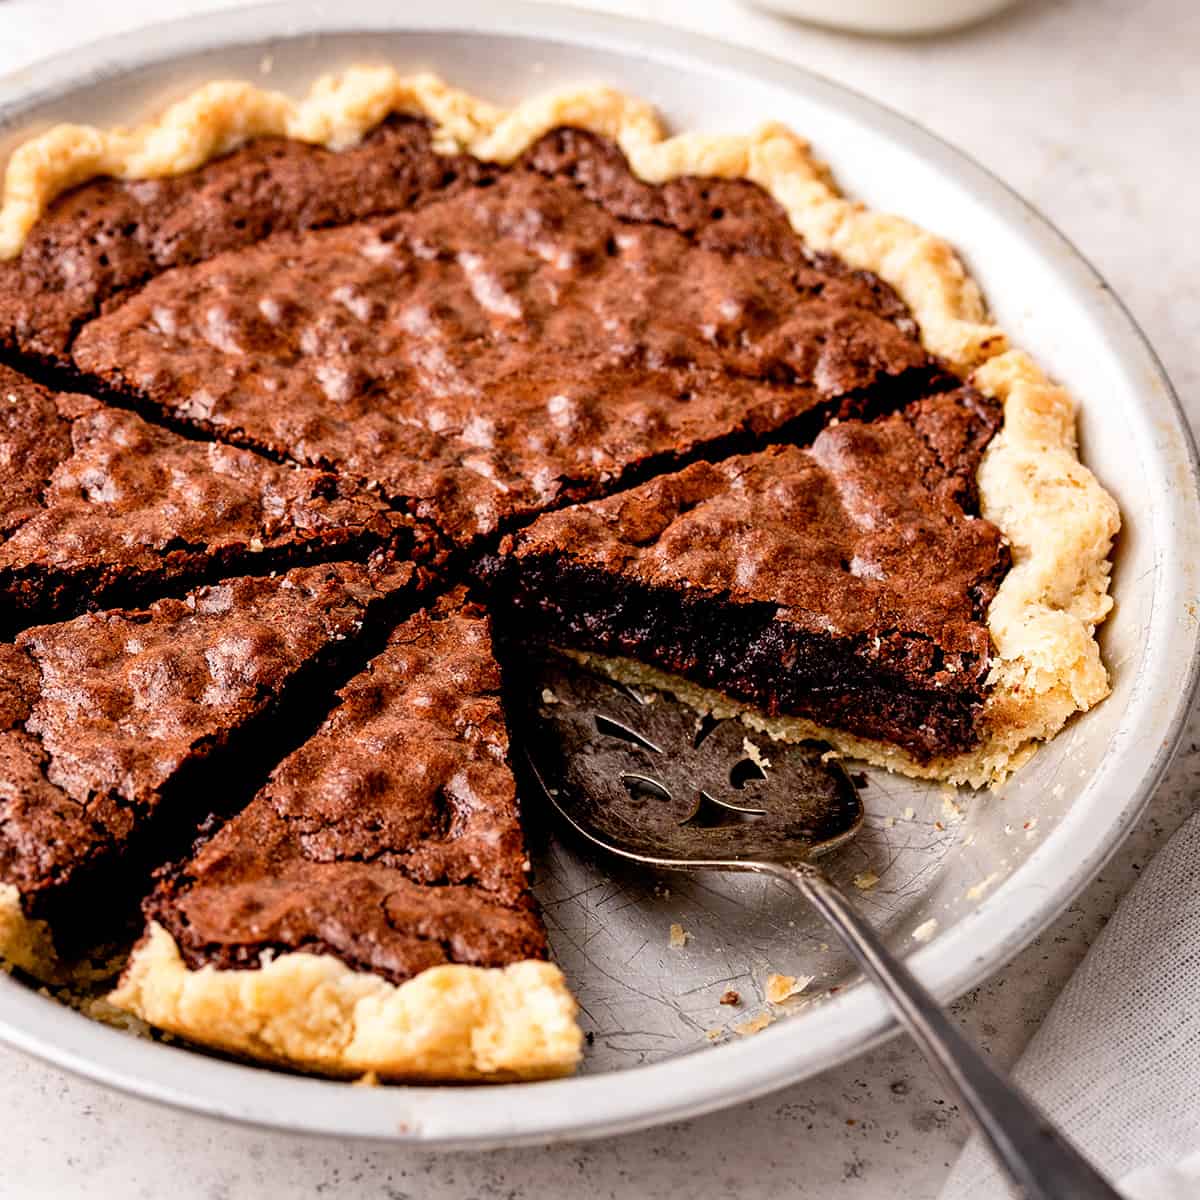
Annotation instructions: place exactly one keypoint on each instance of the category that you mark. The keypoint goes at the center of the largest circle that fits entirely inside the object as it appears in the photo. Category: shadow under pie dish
(558, 328)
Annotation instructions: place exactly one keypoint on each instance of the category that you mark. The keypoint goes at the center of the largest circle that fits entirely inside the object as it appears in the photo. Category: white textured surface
(1081, 106)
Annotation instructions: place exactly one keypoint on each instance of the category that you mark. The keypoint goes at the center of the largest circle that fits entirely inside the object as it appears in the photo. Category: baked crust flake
(25, 943)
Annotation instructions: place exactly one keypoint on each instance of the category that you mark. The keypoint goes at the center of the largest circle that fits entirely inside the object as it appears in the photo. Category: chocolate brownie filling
(728, 216)
(121, 730)
(101, 508)
(847, 583)
(547, 334)
(655, 425)
(108, 236)
(389, 840)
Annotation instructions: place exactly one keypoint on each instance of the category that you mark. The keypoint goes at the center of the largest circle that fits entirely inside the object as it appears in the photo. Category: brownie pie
(303, 397)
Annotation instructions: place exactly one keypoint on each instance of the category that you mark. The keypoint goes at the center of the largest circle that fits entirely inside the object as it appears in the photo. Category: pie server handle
(1038, 1159)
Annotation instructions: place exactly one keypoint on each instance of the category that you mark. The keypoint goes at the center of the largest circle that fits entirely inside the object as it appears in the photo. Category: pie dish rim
(698, 46)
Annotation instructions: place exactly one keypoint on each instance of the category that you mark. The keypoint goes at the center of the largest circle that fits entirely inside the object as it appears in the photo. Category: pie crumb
(99, 1009)
(679, 937)
(755, 755)
(865, 880)
(973, 893)
(754, 1025)
(730, 997)
(951, 809)
(780, 987)
(925, 930)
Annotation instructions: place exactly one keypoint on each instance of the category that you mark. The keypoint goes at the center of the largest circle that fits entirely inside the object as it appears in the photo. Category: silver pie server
(645, 778)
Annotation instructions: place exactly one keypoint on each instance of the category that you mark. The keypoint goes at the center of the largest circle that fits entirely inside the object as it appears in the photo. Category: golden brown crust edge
(25, 943)
(311, 1012)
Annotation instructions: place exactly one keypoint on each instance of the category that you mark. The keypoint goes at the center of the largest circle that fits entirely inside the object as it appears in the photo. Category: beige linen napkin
(1117, 1061)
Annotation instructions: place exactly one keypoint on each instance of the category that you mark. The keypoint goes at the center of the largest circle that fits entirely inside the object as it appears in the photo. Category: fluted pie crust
(311, 1011)
(458, 1022)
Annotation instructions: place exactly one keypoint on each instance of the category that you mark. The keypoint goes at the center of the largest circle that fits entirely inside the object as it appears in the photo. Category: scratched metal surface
(926, 856)
(643, 999)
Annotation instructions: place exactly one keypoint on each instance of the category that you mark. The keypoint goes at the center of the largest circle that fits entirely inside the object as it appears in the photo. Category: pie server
(645, 778)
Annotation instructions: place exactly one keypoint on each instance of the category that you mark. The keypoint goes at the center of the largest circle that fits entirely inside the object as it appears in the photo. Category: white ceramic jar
(887, 16)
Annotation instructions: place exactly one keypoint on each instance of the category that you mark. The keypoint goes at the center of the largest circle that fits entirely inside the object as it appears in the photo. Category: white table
(1087, 107)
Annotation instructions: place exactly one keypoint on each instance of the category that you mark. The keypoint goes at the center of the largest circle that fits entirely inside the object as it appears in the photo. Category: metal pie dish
(977, 874)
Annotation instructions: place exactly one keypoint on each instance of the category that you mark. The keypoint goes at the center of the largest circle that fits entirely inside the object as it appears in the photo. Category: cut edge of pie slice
(1057, 518)
(368, 911)
(116, 726)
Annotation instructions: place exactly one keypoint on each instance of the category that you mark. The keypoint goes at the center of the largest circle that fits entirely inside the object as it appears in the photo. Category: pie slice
(101, 508)
(369, 909)
(839, 591)
(120, 731)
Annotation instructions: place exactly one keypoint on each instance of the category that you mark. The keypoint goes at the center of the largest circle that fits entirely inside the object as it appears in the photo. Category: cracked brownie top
(873, 528)
(111, 235)
(540, 335)
(101, 506)
(389, 839)
(104, 717)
